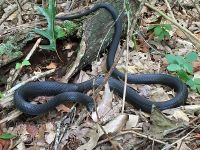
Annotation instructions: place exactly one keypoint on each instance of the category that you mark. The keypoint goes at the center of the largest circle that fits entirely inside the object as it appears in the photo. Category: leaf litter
(87, 134)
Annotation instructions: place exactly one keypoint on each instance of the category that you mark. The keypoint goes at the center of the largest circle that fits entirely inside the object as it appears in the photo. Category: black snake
(74, 92)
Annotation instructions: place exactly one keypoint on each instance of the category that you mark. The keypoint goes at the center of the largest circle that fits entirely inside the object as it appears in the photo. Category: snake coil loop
(74, 92)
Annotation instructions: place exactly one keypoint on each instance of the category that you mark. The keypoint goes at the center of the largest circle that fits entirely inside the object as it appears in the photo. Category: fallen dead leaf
(51, 66)
(32, 130)
(104, 106)
(132, 121)
(196, 66)
(179, 114)
(181, 145)
(50, 133)
(63, 108)
(111, 127)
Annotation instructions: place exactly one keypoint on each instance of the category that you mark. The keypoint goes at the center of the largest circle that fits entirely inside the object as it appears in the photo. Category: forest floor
(162, 27)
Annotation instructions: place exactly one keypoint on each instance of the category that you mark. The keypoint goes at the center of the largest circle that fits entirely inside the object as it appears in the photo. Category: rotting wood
(97, 35)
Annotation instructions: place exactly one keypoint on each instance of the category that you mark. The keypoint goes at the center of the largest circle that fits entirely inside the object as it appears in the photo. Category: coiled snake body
(74, 92)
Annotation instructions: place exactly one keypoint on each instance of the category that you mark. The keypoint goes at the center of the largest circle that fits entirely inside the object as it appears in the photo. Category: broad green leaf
(1, 94)
(171, 59)
(198, 88)
(157, 30)
(26, 63)
(18, 66)
(191, 84)
(166, 34)
(59, 32)
(180, 60)
(173, 67)
(7, 136)
(49, 33)
(197, 80)
(161, 36)
(150, 27)
(167, 26)
(42, 32)
(192, 56)
(183, 75)
(188, 67)
(48, 47)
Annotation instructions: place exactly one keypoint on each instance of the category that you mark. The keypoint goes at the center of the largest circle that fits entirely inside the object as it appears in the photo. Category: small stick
(11, 116)
(133, 132)
(170, 10)
(11, 12)
(181, 139)
(27, 58)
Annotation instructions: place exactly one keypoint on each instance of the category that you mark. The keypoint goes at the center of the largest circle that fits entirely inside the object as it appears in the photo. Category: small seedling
(7, 136)
(161, 30)
(182, 66)
(20, 65)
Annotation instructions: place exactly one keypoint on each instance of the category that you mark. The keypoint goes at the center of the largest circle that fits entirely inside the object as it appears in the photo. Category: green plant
(182, 66)
(23, 63)
(49, 33)
(54, 32)
(161, 30)
(7, 136)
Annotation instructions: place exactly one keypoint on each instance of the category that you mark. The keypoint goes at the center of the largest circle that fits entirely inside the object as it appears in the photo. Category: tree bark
(97, 34)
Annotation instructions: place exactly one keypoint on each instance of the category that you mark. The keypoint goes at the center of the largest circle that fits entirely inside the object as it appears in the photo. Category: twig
(11, 12)
(133, 132)
(195, 40)
(181, 139)
(127, 53)
(11, 116)
(196, 5)
(59, 125)
(27, 58)
(40, 75)
(170, 10)
(20, 11)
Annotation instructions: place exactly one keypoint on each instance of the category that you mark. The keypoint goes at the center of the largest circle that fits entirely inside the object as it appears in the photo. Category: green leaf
(1, 94)
(197, 80)
(180, 60)
(198, 88)
(192, 56)
(191, 84)
(26, 63)
(7, 136)
(171, 59)
(150, 27)
(167, 26)
(166, 34)
(173, 67)
(188, 67)
(49, 33)
(183, 75)
(18, 66)
(157, 30)
(59, 32)
(161, 36)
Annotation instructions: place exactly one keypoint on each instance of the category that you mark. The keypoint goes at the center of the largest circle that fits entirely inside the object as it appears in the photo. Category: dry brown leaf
(181, 145)
(63, 108)
(111, 127)
(50, 133)
(82, 77)
(132, 121)
(52, 65)
(196, 66)
(32, 130)
(104, 106)
(179, 114)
